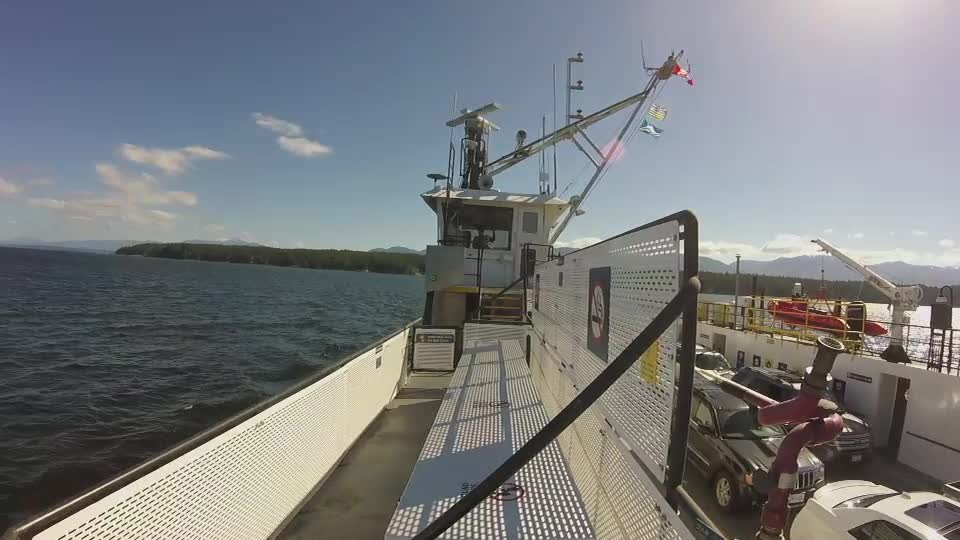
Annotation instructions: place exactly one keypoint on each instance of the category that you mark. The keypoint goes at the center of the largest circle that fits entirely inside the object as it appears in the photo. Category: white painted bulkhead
(532, 217)
(930, 439)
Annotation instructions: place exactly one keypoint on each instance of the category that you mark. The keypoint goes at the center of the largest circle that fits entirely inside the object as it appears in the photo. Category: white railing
(247, 476)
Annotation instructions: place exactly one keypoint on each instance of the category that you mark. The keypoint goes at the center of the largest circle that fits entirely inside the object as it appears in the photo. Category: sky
(314, 123)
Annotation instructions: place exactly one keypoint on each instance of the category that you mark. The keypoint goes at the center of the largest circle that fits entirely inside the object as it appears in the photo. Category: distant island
(327, 259)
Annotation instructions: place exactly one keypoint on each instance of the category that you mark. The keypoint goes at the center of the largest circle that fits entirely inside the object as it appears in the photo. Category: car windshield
(938, 515)
(740, 425)
(711, 360)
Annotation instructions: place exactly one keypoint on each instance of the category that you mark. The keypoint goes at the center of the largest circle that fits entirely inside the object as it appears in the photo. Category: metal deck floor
(360, 496)
(492, 408)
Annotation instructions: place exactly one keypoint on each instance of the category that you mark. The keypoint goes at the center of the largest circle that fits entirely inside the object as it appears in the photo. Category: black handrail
(569, 414)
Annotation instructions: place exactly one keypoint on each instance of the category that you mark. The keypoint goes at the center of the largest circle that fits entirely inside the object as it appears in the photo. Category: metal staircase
(507, 307)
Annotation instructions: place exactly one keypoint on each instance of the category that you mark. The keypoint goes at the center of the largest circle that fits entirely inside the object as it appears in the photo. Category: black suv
(853, 445)
(728, 447)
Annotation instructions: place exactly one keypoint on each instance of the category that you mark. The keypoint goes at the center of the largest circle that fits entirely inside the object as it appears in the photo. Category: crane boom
(902, 299)
(875, 279)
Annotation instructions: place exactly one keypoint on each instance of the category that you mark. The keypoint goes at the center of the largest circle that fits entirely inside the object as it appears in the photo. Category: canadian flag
(683, 74)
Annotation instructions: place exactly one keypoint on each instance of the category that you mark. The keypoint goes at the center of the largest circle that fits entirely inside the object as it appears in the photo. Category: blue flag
(650, 129)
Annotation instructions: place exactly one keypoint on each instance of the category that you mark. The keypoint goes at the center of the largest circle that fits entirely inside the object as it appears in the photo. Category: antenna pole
(566, 121)
(570, 87)
(544, 175)
(554, 126)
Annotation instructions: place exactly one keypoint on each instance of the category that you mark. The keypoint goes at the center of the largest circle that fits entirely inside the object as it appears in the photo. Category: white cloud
(8, 188)
(790, 245)
(163, 215)
(173, 162)
(577, 243)
(302, 146)
(55, 204)
(728, 251)
(275, 124)
(127, 200)
(142, 189)
(915, 232)
(947, 243)
(298, 244)
(855, 236)
(828, 231)
(273, 244)
(291, 137)
(215, 228)
(42, 181)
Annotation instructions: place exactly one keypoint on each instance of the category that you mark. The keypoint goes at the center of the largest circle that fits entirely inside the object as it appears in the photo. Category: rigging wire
(633, 133)
(576, 179)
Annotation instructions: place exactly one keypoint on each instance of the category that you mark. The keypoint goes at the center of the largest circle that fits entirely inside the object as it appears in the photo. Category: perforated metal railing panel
(491, 408)
(588, 306)
(245, 482)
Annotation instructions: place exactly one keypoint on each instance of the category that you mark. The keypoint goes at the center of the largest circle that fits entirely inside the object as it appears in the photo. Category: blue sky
(133, 120)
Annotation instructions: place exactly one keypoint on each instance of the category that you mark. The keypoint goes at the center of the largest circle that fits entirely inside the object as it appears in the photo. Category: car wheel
(725, 492)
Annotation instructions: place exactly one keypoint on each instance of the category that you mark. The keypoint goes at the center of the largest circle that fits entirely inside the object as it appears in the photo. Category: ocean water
(108, 360)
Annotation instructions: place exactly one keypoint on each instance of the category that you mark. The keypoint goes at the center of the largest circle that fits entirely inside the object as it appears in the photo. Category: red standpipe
(819, 423)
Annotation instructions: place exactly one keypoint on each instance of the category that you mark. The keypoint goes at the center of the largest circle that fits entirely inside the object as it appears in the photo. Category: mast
(661, 74)
(554, 127)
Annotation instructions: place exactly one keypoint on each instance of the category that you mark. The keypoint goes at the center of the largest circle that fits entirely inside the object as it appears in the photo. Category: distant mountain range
(398, 249)
(227, 242)
(105, 246)
(808, 266)
(99, 246)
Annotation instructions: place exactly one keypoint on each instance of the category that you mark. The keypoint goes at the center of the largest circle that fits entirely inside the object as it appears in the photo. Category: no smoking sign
(598, 312)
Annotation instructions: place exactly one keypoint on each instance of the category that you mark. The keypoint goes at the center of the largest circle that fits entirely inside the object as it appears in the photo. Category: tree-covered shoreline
(326, 259)
(782, 286)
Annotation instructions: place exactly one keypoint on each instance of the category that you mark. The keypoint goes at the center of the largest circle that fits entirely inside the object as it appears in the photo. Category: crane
(902, 298)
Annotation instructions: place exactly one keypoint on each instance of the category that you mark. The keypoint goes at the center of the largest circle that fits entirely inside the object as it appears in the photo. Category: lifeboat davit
(799, 313)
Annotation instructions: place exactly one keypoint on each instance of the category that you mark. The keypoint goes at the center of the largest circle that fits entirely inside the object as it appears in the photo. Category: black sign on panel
(756, 360)
(536, 293)
(859, 377)
(598, 312)
(741, 359)
(782, 366)
(840, 388)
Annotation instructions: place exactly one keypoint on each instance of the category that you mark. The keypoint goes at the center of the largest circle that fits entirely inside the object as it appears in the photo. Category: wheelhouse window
(531, 222)
(487, 227)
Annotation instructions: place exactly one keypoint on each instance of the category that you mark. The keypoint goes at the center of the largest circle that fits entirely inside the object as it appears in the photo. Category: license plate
(855, 458)
(795, 498)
